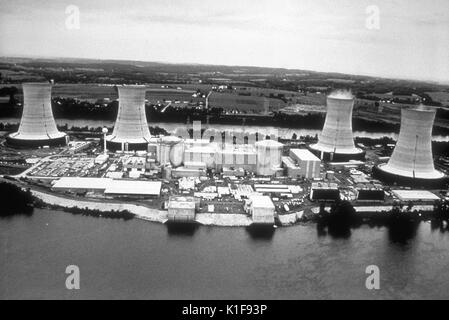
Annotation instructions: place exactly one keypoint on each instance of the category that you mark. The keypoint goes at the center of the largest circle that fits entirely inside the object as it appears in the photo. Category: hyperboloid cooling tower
(336, 142)
(411, 162)
(131, 130)
(37, 126)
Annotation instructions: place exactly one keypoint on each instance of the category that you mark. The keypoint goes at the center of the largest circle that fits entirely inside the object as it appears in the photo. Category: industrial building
(131, 130)
(336, 142)
(242, 156)
(323, 191)
(412, 162)
(181, 209)
(261, 209)
(369, 192)
(307, 162)
(292, 169)
(108, 187)
(415, 195)
(205, 154)
(37, 126)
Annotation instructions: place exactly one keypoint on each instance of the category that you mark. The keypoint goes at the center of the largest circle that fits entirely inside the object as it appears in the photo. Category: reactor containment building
(131, 130)
(336, 142)
(411, 163)
(37, 126)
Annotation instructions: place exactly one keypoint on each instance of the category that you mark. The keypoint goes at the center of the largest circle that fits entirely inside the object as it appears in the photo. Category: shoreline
(311, 214)
(209, 219)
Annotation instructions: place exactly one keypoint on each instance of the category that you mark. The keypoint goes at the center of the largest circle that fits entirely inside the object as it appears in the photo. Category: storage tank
(171, 151)
(131, 125)
(412, 162)
(177, 153)
(269, 153)
(336, 142)
(37, 125)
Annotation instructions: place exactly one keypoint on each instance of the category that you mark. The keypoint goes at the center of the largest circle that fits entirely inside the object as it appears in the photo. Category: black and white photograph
(224, 154)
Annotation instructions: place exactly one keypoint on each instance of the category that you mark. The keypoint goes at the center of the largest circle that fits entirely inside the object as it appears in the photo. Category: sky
(406, 39)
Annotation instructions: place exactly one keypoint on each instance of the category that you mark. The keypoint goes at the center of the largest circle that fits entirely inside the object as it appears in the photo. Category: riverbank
(219, 219)
(109, 209)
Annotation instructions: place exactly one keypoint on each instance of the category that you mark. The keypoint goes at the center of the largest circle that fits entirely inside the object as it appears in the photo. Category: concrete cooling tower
(37, 126)
(336, 142)
(131, 130)
(412, 162)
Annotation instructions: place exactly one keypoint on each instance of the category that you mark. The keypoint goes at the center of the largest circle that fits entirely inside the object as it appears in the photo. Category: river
(172, 126)
(139, 259)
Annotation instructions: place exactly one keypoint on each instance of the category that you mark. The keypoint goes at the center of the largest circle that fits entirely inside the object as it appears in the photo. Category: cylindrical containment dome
(412, 155)
(171, 151)
(131, 126)
(37, 125)
(269, 154)
(336, 140)
(177, 153)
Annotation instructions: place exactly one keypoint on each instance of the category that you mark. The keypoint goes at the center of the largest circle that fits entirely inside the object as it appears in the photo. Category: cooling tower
(37, 126)
(411, 162)
(131, 130)
(336, 142)
(269, 153)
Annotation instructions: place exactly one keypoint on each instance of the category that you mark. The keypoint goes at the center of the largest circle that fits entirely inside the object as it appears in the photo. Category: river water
(267, 130)
(140, 259)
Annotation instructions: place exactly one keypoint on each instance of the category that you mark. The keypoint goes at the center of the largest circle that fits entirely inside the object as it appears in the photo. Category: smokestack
(131, 127)
(336, 141)
(412, 158)
(37, 125)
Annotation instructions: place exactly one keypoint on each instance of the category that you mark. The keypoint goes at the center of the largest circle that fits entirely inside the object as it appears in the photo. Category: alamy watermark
(372, 21)
(72, 282)
(373, 280)
(72, 21)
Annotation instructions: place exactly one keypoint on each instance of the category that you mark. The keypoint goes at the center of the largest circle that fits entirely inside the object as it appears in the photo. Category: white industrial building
(415, 195)
(37, 126)
(108, 186)
(261, 209)
(308, 163)
(336, 141)
(131, 130)
(242, 156)
(181, 209)
(205, 154)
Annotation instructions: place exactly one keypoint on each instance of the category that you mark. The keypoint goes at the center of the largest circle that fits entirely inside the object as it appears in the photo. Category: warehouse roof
(133, 187)
(304, 154)
(405, 195)
(179, 202)
(261, 201)
(110, 186)
(82, 183)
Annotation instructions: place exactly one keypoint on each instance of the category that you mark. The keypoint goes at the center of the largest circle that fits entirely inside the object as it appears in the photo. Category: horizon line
(438, 82)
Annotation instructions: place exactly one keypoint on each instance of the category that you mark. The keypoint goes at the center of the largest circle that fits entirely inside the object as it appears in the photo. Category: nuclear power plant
(37, 126)
(131, 130)
(412, 162)
(336, 142)
(208, 175)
